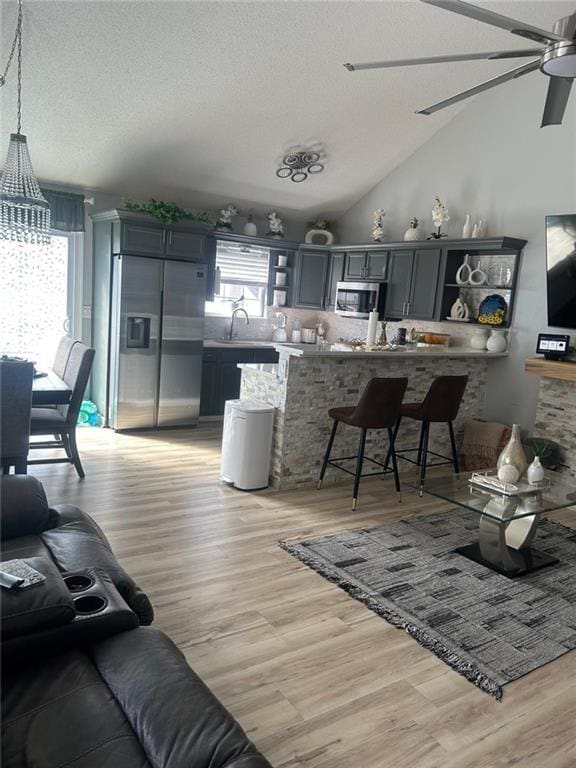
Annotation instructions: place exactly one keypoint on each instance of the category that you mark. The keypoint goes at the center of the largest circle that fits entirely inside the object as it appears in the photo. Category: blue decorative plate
(493, 310)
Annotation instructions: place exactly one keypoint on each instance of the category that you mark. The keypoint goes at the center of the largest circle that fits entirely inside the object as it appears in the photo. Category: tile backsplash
(338, 327)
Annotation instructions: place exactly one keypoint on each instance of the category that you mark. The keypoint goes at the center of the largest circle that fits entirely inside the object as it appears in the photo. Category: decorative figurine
(377, 229)
(275, 225)
(439, 217)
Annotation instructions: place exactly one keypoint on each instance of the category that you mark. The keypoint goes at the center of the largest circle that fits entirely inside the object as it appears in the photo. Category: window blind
(242, 265)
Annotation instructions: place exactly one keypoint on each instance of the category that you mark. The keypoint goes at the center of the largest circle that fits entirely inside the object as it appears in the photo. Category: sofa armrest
(177, 719)
(23, 507)
(77, 542)
(39, 607)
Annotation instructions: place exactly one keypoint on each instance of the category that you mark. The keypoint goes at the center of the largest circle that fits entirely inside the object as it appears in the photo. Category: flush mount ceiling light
(557, 59)
(24, 212)
(297, 165)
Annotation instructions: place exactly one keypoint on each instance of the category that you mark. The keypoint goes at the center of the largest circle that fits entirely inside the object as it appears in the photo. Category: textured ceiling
(196, 101)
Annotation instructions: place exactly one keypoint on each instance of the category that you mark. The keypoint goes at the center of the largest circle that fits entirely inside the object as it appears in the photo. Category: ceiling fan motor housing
(559, 59)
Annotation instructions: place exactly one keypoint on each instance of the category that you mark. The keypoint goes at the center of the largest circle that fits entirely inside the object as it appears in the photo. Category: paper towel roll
(372, 328)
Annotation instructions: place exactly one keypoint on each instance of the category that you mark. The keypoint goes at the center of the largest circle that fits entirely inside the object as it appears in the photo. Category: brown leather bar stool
(378, 408)
(441, 404)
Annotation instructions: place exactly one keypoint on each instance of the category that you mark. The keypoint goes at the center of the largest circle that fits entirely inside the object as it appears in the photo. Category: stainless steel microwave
(359, 299)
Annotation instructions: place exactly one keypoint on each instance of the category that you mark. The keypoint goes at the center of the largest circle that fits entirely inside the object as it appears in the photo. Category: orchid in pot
(439, 217)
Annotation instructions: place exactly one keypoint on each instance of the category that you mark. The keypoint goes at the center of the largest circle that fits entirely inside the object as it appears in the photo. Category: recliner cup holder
(78, 582)
(88, 604)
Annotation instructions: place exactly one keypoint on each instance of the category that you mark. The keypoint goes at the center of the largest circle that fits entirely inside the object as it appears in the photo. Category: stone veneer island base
(308, 380)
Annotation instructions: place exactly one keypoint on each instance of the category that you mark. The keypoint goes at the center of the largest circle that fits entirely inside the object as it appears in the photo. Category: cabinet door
(140, 240)
(355, 263)
(311, 277)
(209, 390)
(425, 275)
(398, 291)
(265, 355)
(335, 275)
(376, 264)
(184, 244)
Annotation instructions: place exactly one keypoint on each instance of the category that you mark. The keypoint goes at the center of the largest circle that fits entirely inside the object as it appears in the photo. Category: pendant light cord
(16, 42)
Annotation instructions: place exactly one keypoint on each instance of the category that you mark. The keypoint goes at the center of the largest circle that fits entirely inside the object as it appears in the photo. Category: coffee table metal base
(516, 562)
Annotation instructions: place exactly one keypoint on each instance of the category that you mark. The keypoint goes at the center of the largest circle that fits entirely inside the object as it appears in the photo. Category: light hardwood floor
(315, 678)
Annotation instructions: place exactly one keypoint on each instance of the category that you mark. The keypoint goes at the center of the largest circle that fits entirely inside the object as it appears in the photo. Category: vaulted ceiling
(197, 101)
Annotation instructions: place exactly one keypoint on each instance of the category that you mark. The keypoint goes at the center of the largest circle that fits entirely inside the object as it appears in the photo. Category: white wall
(494, 161)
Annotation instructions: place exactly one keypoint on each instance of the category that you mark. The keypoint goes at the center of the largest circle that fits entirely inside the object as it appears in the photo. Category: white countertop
(239, 343)
(312, 350)
(270, 369)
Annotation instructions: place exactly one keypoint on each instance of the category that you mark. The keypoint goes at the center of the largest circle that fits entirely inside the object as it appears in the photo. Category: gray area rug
(489, 628)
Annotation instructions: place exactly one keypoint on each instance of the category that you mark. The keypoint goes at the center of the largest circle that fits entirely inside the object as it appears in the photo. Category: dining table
(49, 389)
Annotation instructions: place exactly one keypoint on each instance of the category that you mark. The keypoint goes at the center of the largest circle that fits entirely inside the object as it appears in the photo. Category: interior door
(184, 294)
(135, 348)
(425, 274)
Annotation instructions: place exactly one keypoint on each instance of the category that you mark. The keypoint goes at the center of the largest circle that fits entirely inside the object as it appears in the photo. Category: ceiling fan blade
(512, 74)
(497, 20)
(444, 59)
(556, 100)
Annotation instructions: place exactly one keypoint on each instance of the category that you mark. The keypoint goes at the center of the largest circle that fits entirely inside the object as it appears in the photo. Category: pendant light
(24, 212)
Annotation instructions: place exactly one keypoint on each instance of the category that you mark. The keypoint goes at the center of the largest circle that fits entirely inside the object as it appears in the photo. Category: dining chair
(62, 355)
(60, 422)
(15, 409)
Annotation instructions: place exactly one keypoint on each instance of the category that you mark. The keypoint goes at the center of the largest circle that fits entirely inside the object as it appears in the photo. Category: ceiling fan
(557, 59)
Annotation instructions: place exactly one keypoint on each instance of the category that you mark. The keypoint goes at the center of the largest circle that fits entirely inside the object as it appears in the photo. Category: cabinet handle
(170, 238)
(408, 307)
(163, 237)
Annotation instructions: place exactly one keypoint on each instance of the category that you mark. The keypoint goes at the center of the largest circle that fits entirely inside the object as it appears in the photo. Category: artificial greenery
(170, 213)
(541, 448)
(319, 224)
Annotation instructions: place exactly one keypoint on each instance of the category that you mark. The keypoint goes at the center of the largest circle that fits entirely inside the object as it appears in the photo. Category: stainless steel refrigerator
(157, 327)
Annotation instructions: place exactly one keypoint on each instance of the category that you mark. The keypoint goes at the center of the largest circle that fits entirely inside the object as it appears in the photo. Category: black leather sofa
(95, 690)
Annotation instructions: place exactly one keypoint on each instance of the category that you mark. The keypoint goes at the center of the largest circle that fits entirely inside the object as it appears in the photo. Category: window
(243, 273)
(35, 292)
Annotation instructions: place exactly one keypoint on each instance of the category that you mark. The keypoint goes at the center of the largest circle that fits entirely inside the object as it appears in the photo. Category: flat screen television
(561, 272)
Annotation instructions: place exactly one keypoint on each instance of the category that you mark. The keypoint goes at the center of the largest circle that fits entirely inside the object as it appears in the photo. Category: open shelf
(466, 287)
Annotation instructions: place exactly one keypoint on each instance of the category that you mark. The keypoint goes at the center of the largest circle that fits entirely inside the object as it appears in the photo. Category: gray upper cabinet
(413, 283)
(355, 265)
(141, 240)
(184, 244)
(366, 265)
(424, 284)
(335, 275)
(376, 265)
(310, 278)
(398, 291)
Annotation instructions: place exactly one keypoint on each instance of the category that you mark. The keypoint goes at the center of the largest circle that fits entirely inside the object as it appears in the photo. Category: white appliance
(246, 444)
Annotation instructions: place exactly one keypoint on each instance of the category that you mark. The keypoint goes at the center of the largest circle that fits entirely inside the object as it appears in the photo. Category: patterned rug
(489, 628)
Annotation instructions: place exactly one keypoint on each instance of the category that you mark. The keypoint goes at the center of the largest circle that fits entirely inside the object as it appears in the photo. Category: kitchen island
(310, 379)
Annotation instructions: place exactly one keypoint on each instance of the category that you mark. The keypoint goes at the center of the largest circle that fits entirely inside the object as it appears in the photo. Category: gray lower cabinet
(311, 276)
(412, 284)
(221, 375)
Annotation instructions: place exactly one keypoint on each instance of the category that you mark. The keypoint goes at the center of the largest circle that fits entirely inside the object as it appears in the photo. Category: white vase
(482, 228)
(535, 472)
(250, 228)
(475, 231)
(497, 341)
(464, 271)
(467, 229)
(513, 452)
(479, 338)
(413, 234)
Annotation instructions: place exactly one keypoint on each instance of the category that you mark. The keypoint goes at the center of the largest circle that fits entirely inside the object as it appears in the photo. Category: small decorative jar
(535, 472)
(250, 228)
(513, 452)
(479, 338)
(414, 232)
(497, 341)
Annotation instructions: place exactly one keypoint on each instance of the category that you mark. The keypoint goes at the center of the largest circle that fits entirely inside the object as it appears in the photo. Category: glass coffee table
(506, 524)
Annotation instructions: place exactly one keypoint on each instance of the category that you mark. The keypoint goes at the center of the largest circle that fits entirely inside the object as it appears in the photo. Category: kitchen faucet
(234, 313)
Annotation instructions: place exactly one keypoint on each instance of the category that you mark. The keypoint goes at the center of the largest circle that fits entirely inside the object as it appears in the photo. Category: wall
(491, 160)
